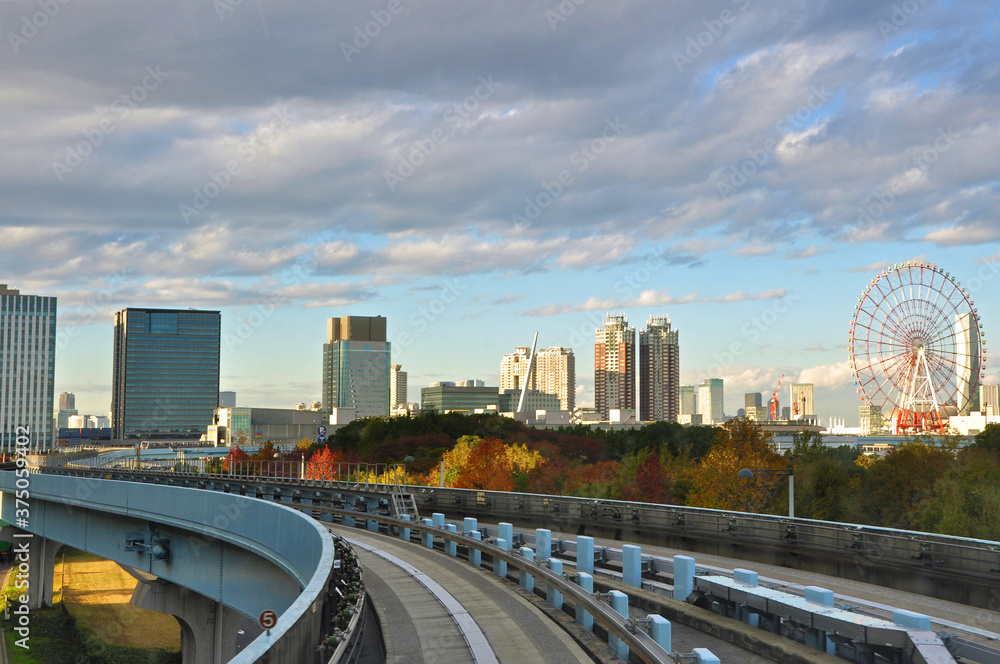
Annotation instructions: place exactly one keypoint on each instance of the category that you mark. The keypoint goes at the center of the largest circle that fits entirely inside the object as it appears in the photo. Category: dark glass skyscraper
(27, 367)
(356, 359)
(166, 373)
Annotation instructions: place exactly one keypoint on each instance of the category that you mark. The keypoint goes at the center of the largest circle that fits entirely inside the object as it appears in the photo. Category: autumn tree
(642, 479)
(739, 444)
(488, 467)
(324, 464)
(232, 462)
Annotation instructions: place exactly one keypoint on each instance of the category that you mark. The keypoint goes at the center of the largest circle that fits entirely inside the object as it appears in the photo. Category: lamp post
(410, 459)
(747, 473)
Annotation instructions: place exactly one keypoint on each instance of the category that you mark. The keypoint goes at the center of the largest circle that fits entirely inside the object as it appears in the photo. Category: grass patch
(69, 632)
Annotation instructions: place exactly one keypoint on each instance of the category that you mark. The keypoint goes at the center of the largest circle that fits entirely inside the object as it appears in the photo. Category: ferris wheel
(915, 347)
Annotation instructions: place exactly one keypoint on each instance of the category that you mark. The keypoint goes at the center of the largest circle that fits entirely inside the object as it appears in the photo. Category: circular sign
(321, 431)
(267, 619)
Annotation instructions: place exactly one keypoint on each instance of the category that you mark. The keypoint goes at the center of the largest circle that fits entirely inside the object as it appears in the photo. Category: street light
(410, 459)
(747, 474)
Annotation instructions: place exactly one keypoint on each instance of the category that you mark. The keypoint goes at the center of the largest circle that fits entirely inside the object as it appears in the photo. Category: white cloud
(837, 374)
(964, 234)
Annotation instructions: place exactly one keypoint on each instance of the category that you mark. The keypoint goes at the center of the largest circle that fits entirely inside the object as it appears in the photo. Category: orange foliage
(324, 465)
(488, 467)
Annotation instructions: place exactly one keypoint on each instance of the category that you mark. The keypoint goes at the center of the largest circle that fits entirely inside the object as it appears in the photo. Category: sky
(477, 172)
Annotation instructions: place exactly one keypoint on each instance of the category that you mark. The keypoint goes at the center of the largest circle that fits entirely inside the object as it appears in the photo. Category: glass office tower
(166, 373)
(27, 368)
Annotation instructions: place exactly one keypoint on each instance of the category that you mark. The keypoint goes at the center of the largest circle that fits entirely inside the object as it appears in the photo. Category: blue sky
(479, 172)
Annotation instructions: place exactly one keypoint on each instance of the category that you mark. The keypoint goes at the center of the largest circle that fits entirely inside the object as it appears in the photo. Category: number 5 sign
(267, 619)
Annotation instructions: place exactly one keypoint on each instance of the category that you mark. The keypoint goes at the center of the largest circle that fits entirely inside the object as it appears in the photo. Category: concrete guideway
(514, 630)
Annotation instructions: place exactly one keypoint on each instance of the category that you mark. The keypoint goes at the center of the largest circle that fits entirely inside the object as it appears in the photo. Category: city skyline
(523, 172)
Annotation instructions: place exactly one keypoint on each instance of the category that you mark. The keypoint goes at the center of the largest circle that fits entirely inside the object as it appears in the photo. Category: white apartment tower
(554, 373)
(967, 353)
(27, 368)
(659, 371)
(870, 419)
(710, 400)
(397, 386)
(989, 399)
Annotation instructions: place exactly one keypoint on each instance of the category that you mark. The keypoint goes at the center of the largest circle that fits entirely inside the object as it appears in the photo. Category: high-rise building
(397, 386)
(614, 366)
(989, 399)
(166, 373)
(67, 401)
(967, 354)
(689, 400)
(803, 403)
(554, 373)
(659, 371)
(27, 368)
(710, 400)
(753, 400)
(445, 396)
(227, 399)
(356, 360)
(869, 419)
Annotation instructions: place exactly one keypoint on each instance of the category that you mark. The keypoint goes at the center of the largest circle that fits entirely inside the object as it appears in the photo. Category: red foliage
(236, 454)
(324, 465)
(650, 484)
(487, 468)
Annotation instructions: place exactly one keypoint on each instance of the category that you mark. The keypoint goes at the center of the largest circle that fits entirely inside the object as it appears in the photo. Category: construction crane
(774, 400)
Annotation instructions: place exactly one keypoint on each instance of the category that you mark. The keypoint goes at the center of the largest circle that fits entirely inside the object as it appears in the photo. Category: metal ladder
(403, 503)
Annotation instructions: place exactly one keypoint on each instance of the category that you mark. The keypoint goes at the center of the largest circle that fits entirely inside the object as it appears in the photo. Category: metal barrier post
(619, 602)
(475, 555)
(683, 577)
(505, 531)
(585, 554)
(705, 656)
(500, 566)
(543, 543)
(438, 519)
(585, 581)
(450, 546)
(660, 630)
(427, 538)
(632, 565)
(527, 580)
(554, 597)
(404, 533)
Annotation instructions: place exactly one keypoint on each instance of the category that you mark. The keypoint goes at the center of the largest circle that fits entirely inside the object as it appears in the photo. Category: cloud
(837, 374)
(963, 234)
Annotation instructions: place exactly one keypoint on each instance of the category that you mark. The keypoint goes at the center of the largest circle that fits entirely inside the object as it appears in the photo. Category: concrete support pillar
(632, 565)
(619, 602)
(683, 577)
(208, 629)
(585, 554)
(348, 521)
(427, 538)
(543, 543)
(39, 556)
(500, 566)
(585, 581)
(527, 580)
(404, 532)
(475, 555)
(660, 631)
(554, 597)
(450, 547)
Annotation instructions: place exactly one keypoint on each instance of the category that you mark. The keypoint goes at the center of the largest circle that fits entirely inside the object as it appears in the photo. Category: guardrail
(855, 551)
